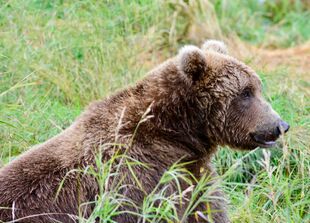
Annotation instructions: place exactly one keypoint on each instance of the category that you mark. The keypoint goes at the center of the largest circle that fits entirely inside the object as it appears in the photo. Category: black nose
(283, 127)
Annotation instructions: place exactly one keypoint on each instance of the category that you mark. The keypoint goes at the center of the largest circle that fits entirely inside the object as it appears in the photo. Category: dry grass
(57, 56)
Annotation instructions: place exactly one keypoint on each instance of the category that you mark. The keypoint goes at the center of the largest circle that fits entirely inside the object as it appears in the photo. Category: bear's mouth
(265, 144)
(264, 141)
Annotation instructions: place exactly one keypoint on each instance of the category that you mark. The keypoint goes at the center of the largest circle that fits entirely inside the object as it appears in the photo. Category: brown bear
(196, 101)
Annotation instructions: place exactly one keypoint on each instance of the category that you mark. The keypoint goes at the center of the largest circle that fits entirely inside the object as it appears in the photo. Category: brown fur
(195, 103)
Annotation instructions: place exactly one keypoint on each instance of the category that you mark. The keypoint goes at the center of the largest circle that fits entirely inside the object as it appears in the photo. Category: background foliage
(57, 56)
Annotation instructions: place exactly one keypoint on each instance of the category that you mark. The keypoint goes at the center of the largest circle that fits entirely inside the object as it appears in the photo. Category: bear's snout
(267, 137)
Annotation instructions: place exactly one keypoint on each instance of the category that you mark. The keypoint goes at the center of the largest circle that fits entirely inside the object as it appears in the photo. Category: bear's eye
(246, 93)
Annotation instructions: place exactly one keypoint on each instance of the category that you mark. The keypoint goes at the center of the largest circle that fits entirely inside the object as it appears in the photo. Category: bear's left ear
(192, 61)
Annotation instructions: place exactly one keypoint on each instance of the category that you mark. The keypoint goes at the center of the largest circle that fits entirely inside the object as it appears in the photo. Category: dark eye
(246, 93)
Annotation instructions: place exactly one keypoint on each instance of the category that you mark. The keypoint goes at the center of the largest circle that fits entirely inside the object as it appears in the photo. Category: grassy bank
(57, 56)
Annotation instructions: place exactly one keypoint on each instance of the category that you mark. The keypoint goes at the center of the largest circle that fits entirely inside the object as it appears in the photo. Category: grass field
(57, 56)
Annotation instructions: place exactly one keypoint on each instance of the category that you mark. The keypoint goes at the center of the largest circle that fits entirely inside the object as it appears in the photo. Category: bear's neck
(178, 121)
(171, 104)
(174, 111)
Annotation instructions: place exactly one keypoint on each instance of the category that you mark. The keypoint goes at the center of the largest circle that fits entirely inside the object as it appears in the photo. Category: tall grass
(57, 56)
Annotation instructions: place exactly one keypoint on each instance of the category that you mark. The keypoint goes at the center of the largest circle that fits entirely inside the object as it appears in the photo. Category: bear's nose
(283, 127)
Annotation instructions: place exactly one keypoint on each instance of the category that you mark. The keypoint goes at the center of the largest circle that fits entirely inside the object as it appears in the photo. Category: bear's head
(229, 95)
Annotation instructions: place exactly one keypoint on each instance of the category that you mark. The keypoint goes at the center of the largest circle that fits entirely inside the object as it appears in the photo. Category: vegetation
(57, 56)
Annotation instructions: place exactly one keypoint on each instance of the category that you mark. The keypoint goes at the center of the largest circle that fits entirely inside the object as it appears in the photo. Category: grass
(57, 56)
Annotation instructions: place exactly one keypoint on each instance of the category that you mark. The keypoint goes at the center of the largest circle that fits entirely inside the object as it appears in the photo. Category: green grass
(281, 23)
(57, 56)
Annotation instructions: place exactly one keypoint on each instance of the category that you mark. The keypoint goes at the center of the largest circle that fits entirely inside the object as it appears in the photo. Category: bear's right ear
(192, 61)
(215, 45)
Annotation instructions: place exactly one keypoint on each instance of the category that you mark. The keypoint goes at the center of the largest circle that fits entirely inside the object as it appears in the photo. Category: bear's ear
(215, 45)
(192, 61)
